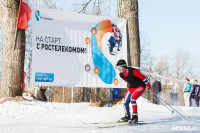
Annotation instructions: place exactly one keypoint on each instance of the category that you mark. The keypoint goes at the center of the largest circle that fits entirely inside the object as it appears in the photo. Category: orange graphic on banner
(94, 31)
(87, 40)
(96, 70)
(102, 28)
(116, 81)
(87, 68)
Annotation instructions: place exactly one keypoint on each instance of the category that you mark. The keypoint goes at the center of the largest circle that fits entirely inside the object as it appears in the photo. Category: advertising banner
(77, 50)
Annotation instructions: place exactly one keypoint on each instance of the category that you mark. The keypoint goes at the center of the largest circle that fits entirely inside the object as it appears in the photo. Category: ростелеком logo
(37, 14)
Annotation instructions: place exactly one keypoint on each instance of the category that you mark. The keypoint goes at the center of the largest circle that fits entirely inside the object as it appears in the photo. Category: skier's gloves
(149, 88)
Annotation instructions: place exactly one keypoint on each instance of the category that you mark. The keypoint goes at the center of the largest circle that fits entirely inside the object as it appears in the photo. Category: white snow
(37, 117)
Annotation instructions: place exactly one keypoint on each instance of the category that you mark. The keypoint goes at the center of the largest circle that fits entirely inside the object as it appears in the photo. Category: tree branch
(85, 6)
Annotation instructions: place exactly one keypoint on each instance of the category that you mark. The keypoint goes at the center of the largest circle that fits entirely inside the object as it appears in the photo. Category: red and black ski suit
(137, 84)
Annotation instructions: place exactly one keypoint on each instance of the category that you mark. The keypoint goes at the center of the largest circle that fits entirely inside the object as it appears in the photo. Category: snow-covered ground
(37, 117)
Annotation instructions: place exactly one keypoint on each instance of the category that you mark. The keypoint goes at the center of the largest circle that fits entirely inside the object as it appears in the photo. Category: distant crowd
(191, 92)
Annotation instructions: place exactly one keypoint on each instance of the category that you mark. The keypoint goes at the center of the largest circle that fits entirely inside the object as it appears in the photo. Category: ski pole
(159, 101)
(171, 107)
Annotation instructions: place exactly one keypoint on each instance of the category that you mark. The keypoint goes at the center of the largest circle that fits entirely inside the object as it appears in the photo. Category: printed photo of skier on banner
(115, 40)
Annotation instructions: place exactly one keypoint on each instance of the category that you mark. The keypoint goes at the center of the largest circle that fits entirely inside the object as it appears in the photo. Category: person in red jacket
(136, 83)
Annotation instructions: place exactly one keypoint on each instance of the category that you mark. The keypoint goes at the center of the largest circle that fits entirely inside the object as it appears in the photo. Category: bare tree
(162, 66)
(85, 5)
(178, 66)
(94, 7)
(183, 65)
(145, 54)
(129, 9)
(12, 52)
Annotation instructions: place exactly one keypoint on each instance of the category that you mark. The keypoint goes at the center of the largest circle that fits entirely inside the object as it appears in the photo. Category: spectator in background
(186, 91)
(174, 87)
(197, 94)
(111, 94)
(114, 93)
(42, 91)
(194, 100)
(156, 90)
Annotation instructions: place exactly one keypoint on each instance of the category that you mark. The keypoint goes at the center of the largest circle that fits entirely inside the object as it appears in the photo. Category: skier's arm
(141, 76)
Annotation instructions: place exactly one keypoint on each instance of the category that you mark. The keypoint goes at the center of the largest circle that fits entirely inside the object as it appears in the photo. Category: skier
(136, 83)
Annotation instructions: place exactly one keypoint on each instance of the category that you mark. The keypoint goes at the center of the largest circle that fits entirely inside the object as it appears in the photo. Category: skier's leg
(136, 94)
(126, 107)
(126, 103)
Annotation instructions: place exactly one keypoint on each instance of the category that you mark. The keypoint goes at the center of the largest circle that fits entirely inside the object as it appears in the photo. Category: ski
(116, 123)
(122, 124)
(113, 122)
(103, 122)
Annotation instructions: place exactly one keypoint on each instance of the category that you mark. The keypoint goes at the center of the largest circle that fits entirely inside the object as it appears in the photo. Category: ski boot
(125, 118)
(134, 119)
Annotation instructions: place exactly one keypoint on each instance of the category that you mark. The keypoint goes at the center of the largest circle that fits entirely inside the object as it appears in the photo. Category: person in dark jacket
(136, 83)
(197, 94)
(156, 89)
(194, 101)
(42, 92)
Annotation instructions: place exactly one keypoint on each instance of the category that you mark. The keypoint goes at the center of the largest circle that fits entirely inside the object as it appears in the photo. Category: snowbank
(35, 117)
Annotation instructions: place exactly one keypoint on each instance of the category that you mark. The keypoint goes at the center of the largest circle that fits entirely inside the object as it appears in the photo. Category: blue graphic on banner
(107, 72)
(44, 77)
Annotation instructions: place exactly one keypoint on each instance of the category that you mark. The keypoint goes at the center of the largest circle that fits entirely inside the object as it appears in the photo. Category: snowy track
(35, 117)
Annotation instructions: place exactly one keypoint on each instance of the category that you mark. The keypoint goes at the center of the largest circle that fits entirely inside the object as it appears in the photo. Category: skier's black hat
(121, 63)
